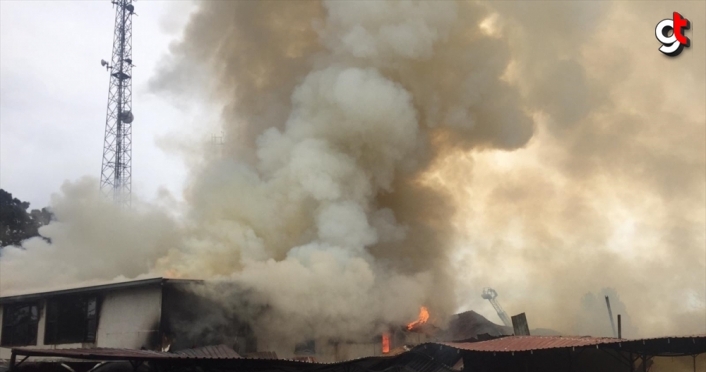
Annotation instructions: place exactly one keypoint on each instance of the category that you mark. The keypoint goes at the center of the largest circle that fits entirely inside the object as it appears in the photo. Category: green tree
(16, 224)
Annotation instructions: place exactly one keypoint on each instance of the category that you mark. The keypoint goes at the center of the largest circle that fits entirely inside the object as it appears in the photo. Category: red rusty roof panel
(672, 345)
(212, 351)
(527, 343)
(271, 355)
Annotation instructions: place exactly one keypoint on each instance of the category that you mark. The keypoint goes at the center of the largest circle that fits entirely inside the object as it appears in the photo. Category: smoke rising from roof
(366, 141)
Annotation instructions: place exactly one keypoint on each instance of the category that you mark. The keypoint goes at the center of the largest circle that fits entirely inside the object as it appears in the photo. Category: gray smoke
(366, 142)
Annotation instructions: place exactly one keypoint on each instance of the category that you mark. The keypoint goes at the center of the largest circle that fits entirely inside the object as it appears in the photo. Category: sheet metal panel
(214, 351)
(529, 343)
(115, 354)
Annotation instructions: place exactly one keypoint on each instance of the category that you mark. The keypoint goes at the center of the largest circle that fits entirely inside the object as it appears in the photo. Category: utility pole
(610, 315)
(116, 170)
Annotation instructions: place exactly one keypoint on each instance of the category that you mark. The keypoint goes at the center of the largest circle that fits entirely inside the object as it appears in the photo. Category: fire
(171, 274)
(423, 318)
(385, 343)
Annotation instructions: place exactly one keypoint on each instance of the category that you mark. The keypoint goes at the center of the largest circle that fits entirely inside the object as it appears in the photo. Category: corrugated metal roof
(528, 343)
(117, 354)
(212, 351)
(405, 362)
(308, 359)
(430, 357)
(271, 355)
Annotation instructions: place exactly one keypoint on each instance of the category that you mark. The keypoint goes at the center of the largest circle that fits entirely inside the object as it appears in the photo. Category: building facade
(165, 315)
(141, 314)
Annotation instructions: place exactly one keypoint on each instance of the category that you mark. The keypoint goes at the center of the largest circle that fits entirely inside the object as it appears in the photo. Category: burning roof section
(423, 358)
(408, 361)
(469, 325)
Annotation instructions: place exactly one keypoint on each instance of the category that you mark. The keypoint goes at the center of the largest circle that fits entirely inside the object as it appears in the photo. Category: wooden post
(13, 358)
(620, 328)
(644, 363)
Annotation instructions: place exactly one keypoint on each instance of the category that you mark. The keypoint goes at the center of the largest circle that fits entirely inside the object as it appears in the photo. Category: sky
(53, 95)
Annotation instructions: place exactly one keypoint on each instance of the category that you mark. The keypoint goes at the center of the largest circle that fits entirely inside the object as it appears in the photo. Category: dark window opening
(19, 324)
(71, 320)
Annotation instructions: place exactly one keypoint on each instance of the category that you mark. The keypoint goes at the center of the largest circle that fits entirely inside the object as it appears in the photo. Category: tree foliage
(16, 224)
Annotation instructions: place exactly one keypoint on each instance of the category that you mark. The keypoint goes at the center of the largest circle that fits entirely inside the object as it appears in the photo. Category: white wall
(130, 317)
(127, 319)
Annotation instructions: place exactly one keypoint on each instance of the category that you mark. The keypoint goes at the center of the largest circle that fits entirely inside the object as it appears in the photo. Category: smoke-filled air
(384, 155)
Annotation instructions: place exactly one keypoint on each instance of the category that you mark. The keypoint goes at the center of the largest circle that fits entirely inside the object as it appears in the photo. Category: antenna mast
(116, 170)
(490, 294)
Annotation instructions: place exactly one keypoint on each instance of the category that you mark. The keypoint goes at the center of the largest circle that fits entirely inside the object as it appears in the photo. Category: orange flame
(385, 343)
(423, 318)
(171, 274)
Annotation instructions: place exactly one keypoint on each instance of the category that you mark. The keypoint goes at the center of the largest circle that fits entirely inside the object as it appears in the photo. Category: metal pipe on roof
(610, 314)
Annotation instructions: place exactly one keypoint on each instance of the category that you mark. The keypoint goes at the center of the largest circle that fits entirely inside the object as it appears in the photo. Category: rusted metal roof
(671, 345)
(271, 355)
(308, 359)
(212, 351)
(407, 362)
(527, 343)
(430, 357)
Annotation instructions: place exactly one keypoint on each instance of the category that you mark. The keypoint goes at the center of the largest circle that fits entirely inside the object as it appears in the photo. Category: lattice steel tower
(116, 171)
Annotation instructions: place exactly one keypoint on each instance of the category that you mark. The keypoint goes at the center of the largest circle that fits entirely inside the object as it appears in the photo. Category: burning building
(164, 323)
(147, 314)
(337, 195)
(509, 354)
(163, 314)
(160, 314)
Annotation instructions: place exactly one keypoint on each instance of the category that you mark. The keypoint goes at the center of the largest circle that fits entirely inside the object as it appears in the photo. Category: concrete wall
(128, 318)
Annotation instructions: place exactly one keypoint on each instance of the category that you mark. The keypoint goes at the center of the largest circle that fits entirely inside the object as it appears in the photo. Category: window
(71, 320)
(19, 324)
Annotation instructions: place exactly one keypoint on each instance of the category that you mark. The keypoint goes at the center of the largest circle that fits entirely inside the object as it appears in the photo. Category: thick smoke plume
(331, 116)
(384, 155)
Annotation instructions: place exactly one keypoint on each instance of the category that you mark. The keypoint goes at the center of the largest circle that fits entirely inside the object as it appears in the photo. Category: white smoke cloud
(359, 140)
(91, 241)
